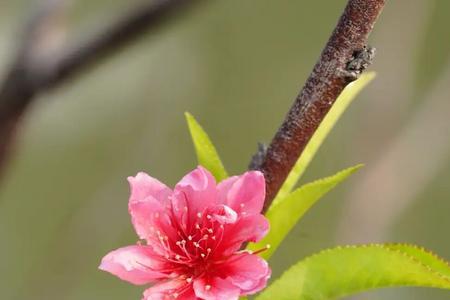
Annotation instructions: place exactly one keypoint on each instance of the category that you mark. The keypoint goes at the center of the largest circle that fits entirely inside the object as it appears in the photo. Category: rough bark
(329, 77)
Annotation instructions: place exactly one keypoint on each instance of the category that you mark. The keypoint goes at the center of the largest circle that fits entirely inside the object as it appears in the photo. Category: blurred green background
(237, 66)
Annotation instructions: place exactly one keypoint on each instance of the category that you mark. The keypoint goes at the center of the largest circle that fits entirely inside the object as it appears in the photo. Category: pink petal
(143, 186)
(223, 214)
(224, 187)
(135, 264)
(180, 210)
(150, 219)
(251, 228)
(198, 189)
(149, 198)
(215, 289)
(247, 271)
(245, 194)
(173, 289)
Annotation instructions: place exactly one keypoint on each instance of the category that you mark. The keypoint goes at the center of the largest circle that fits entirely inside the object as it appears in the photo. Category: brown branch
(329, 77)
(28, 76)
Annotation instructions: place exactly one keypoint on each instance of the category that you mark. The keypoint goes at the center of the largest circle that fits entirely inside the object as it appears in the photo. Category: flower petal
(215, 289)
(224, 187)
(245, 194)
(223, 214)
(250, 228)
(246, 271)
(151, 220)
(135, 264)
(173, 289)
(198, 188)
(149, 198)
(143, 185)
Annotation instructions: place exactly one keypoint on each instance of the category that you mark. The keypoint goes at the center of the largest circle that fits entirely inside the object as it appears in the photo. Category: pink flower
(193, 235)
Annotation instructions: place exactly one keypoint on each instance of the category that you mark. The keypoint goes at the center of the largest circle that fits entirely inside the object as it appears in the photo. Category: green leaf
(336, 111)
(287, 212)
(343, 271)
(207, 155)
(426, 257)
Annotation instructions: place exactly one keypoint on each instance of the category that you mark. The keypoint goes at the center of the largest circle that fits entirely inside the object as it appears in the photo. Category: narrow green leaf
(343, 271)
(336, 111)
(287, 212)
(207, 155)
(424, 256)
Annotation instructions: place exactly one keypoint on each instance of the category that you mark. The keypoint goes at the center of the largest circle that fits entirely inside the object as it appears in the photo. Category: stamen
(262, 249)
(180, 291)
(207, 287)
(182, 245)
(164, 241)
(203, 239)
(218, 240)
(208, 250)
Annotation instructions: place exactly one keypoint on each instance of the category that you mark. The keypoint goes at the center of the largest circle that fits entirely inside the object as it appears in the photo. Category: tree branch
(28, 75)
(329, 77)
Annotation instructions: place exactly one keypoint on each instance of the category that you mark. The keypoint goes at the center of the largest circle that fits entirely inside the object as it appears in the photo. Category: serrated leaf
(287, 212)
(426, 257)
(336, 111)
(207, 155)
(343, 271)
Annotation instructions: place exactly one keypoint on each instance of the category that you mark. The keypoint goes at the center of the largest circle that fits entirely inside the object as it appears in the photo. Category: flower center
(193, 246)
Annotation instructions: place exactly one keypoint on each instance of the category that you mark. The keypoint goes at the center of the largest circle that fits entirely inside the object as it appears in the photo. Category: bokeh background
(237, 66)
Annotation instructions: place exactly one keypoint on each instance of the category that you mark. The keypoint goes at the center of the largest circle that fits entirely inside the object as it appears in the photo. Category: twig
(327, 80)
(28, 77)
